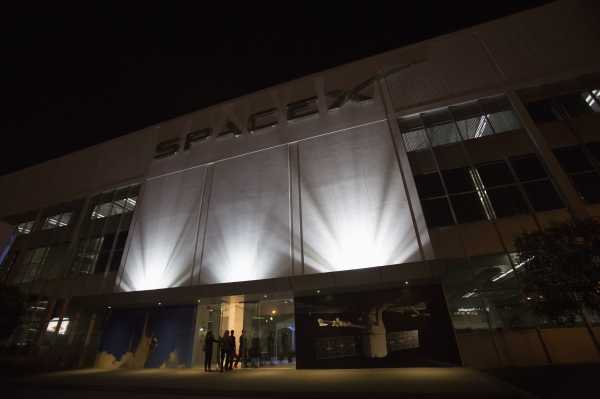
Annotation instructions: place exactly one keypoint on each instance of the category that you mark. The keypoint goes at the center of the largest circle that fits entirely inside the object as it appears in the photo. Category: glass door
(208, 318)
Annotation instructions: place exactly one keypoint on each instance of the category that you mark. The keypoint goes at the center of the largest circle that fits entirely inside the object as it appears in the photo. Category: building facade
(359, 217)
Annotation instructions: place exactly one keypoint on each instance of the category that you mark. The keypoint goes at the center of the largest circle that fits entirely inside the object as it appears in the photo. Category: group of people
(228, 358)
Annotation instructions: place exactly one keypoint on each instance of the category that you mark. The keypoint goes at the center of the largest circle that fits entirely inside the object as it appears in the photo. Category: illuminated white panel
(248, 230)
(354, 207)
(165, 227)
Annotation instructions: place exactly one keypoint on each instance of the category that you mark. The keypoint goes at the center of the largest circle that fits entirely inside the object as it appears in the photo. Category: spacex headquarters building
(364, 216)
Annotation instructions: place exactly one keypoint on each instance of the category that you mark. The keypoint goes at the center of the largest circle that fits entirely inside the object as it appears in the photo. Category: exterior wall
(302, 203)
(525, 347)
(350, 202)
(439, 74)
(79, 174)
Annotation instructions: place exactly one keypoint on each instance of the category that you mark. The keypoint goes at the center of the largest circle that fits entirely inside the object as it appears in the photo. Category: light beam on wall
(161, 252)
(354, 208)
(354, 214)
(248, 231)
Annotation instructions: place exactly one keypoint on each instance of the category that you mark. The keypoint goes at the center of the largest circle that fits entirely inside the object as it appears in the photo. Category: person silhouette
(242, 351)
(225, 344)
(209, 340)
(231, 353)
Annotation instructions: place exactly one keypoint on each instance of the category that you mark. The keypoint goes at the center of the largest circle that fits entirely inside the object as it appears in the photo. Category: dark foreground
(266, 383)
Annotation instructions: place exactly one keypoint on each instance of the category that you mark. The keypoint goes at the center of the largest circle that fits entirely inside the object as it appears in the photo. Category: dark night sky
(75, 77)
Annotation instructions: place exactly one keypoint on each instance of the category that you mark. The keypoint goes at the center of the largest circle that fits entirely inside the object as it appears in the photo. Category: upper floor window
(25, 227)
(535, 182)
(592, 99)
(96, 254)
(565, 106)
(114, 202)
(467, 121)
(58, 220)
(32, 264)
(116, 207)
(579, 167)
(54, 323)
(490, 190)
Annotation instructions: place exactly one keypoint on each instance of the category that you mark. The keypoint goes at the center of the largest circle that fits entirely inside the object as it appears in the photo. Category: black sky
(75, 77)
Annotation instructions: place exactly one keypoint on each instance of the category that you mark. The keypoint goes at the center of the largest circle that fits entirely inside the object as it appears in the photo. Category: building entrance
(263, 327)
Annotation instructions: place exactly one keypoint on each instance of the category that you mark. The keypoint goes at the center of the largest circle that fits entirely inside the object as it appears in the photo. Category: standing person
(231, 354)
(242, 351)
(225, 344)
(209, 340)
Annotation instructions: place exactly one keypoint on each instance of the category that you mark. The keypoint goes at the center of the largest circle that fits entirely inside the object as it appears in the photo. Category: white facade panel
(165, 228)
(248, 224)
(354, 208)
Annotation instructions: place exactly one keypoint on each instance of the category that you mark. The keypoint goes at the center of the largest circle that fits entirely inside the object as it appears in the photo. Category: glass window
(64, 326)
(7, 264)
(579, 167)
(591, 99)
(471, 120)
(467, 207)
(542, 111)
(504, 121)
(507, 201)
(444, 134)
(574, 104)
(25, 227)
(415, 140)
(475, 127)
(115, 261)
(104, 253)
(94, 255)
(429, 185)
(484, 293)
(437, 212)
(102, 211)
(87, 254)
(594, 149)
(32, 263)
(542, 195)
(588, 186)
(458, 180)
(495, 173)
(500, 114)
(572, 159)
(528, 167)
(112, 208)
(54, 323)
(59, 220)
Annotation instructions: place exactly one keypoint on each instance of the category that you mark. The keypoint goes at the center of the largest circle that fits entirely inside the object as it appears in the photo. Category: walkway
(275, 382)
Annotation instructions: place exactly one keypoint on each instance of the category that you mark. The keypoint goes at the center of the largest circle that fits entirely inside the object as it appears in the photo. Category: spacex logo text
(266, 119)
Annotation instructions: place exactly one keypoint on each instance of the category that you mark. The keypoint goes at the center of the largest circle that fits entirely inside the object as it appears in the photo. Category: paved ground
(554, 381)
(261, 383)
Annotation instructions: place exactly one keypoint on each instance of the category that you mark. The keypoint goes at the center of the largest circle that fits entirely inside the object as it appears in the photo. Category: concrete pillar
(86, 342)
(410, 187)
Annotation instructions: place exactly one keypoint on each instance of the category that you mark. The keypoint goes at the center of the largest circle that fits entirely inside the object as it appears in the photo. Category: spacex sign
(266, 119)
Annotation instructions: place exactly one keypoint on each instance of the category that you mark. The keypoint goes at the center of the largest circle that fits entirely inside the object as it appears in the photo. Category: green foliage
(12, 308)
(561, 268)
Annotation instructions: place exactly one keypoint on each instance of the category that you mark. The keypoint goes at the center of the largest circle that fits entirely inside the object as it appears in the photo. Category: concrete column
(86, 342)
(410, 187)
(295, 197)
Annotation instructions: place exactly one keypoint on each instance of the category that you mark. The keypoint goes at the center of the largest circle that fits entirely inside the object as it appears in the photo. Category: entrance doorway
(264, 327)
